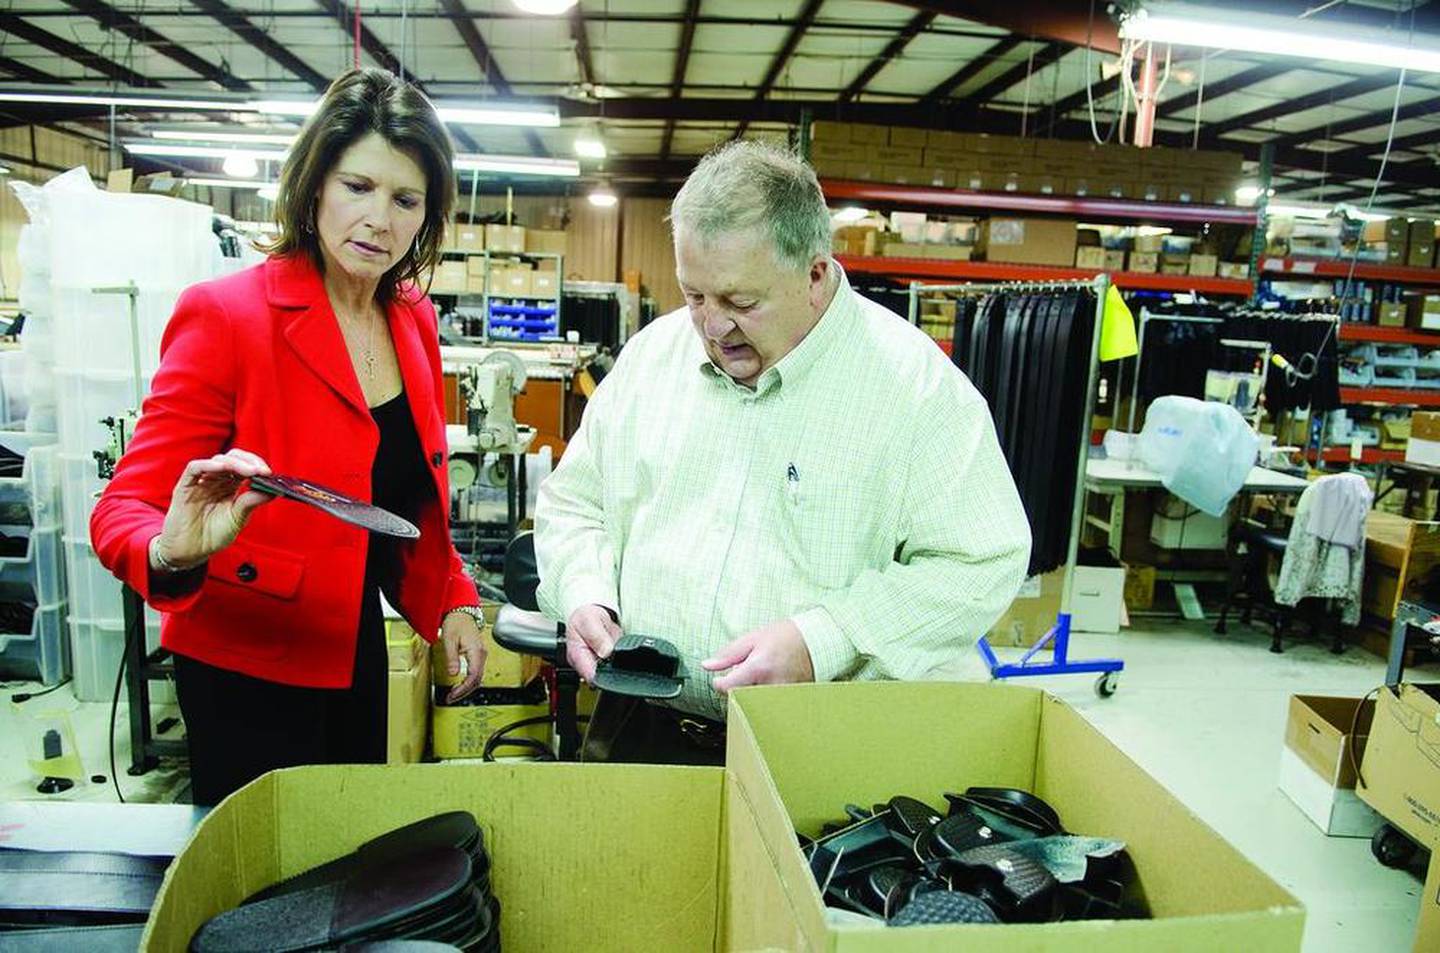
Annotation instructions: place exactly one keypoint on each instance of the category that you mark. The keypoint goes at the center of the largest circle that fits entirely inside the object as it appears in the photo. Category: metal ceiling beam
(1430, 137)
(1098, 91)
(1064, 22)
(113, 19)
(1038, 60)
(1323, 97)
(682, 63)
(27, 72)
(1224, 87)
(581, 36)
(894, 48)
(261, 40)
(971, 69)
(490, 69)
(1420, 109)
(787, 49)
(14, 25)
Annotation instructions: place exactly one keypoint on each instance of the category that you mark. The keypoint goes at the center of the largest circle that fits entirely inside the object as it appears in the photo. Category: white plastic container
(80, 485)
(85, 399)
(111, 238)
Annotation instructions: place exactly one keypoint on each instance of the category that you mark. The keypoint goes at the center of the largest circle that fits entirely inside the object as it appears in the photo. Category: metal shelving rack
(532, 321)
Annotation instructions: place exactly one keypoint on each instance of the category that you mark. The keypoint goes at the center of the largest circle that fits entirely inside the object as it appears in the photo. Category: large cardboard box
(503, 668)
(545, 241)
(449, 278)
(585, 857)
(1424, 443)
(1091, 256)
(908, 137)
(1316, 766)
(408, 719)
(1427, 927)
(1400, 773)
(468, 238)
(516, 284)
(1423, 311)
(1032, 613)
(505, 238)
(461, 730)
(404, 646)
(826, 151)
(1204, 266)
(893, 155)
(869, 134)
(825, 130)
(544, 284)
(1391, 314)
(922, 739)
(1143, 262)
(1397, 230)
(1027, 241)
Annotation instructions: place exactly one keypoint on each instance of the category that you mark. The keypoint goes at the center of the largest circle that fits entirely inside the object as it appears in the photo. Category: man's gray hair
(744, 185)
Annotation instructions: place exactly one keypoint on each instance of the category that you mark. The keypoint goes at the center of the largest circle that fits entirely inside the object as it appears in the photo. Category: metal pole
(1139, 356)
(914, 313)
(1145, 101)
(1262, 203)
(1077, 509)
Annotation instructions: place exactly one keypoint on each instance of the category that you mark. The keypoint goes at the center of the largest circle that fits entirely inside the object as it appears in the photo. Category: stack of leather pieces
(1000, 855)
(427, 881)
(51, 900)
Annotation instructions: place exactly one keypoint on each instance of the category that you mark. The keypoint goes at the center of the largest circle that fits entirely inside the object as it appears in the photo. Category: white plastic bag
(1202, 450)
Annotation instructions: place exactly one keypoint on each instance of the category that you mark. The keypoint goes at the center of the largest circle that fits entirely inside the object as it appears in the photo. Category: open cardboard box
(592, 857)
(798, 754)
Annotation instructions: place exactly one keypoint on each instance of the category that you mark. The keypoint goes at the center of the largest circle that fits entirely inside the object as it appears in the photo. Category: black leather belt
(703, 733)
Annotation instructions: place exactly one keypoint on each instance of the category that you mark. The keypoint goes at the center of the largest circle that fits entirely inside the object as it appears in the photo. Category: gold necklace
(368, 356)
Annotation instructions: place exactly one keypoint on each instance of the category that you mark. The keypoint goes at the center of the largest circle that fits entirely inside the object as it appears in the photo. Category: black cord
(20, 697)
(1354, 736)
(115, 703)
(498, 739)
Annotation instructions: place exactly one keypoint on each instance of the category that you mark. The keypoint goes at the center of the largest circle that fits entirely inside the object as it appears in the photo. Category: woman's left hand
(461, 635)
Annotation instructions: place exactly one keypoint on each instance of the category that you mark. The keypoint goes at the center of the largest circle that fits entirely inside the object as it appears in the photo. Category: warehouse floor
(1204, 714)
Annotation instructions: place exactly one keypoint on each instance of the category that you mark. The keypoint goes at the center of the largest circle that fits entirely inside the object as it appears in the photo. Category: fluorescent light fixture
(590, 148)
(240, 166)
(1247, 194)
(602, 197)
(1284, 210)
(247, 138)
(851, 213)
(517, 165)
(201, 152)
(465, 114)
(228, 183)
(89, 99)
(1190, 25)
(545, 8)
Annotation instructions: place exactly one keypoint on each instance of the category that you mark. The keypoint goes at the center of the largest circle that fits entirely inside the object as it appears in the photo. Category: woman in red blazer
(322, 363)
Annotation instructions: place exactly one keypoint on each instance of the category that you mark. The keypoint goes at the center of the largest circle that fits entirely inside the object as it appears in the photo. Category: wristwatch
(475, 612)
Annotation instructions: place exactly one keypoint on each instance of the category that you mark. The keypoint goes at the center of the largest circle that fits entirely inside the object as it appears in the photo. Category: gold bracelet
(165, 564)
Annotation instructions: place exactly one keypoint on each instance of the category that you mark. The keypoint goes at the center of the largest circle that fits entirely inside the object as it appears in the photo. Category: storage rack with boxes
(507, 281)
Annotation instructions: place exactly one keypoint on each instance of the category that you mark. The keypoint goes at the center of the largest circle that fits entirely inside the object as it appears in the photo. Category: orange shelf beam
(1379, 335)
(1327, 268)
(931, 269)
(1393, 396)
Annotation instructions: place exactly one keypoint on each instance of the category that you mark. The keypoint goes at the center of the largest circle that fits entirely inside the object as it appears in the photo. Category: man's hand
(590, 635)
(460, 634)
(774, 654)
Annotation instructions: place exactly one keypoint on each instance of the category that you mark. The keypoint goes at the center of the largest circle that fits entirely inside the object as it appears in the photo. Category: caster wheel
(1106, 684)
(1392, 848)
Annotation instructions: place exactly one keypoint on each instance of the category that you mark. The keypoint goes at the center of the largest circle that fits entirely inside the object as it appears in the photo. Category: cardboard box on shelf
(461, 731)
(939, 177)
(1150, 190)
(1149, 243)
(544, 284)
(1090, 257)
(468, 238)
(938, 252)
(838, 151)
(475, 265)
(945, 139)
(1029, 241)
(828, 168)
(971, 178)
(905, 174)
(1397, 230)
(290, 821)
(1400, 773)
(1316, 766)
(1391, 314)
(947, 158)
(1082, 185)
(517, 284)
(892, 155)
(1397, 253)
(449, 278)
(1422, 231)
(1032, 613)
(505, 238)
(869, 134)
(1421, 255)
(866, 171)
(408, 712)
(1234, 269)
(825, 130)
(1424, 444)
(1143, 262)
(1221, 195)
(1114, 260)
(906, 136)
(1174, 267)
(475, 284)
(1184, 193)
(925, 738)
(1423, 311)
(545, 241)
(1204, 266)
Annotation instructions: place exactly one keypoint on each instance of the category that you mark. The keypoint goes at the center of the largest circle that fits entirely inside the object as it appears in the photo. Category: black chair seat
(1263, 537)
(526, 632)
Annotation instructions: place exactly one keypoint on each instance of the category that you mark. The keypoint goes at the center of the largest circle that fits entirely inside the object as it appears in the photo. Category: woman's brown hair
(360, 102)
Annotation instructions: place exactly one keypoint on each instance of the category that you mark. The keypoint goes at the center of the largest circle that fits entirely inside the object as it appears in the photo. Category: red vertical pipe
(1145, 100)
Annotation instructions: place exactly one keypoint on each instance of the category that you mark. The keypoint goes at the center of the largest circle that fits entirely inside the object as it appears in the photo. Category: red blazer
(256, 360)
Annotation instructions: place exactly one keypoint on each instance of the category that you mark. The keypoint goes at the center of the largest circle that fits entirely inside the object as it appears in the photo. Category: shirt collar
(793, 366)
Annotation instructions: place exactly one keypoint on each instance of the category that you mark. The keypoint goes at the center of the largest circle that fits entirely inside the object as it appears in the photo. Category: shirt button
(437, 458)
(246, 572)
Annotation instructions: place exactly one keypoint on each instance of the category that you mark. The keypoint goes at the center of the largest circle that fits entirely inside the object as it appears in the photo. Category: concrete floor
(1204, 714)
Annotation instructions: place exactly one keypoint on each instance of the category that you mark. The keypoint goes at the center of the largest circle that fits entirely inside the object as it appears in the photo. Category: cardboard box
(545, 241)
(1149, 243)
(1144, 262)
(939, 252)
(1424, 444)
(837, 152)
(475, 266)
(1032, 613)
(828, 168)
(1234, 269)
(1204, 266)
(1097, 599)
(1391, 314)
(893, 155)
(1174, 268)
(1397, 253)
(908, 137)
(825, 130)
(1400, 774)
(1027, 241)
(449, 278)
(505, 238)
(503, 668)
(865, 171)
(947, 158)
(1184, 193)
(1114, 260)
(1427, 926)
(1090, 257)
(468, 238)
(515, 284)
(1423, 311)
(544, 284)
(475, 285)
(547, 879)
(461, 731)
(869, 135)
(403, 646)
(1139, 587)
(905, 174)
(1421, 231)
(1316, 771)
(925, 738)
(945, 139)
(408, 719)
(1421, 255)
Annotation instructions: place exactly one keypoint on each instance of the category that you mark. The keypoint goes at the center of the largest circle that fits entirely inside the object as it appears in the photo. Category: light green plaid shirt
(858, 490)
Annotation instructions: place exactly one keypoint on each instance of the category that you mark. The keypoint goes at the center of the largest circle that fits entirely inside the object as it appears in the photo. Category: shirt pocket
(828, 531)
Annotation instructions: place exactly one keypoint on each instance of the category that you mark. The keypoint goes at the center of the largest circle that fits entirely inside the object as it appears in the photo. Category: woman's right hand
(207, 508)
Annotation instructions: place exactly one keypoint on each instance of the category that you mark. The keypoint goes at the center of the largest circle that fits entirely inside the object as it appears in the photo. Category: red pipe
(1145, 99)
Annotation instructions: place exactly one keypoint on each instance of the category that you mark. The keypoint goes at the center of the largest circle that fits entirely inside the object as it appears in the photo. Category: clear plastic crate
(93, 330)
(39, 575)
(99, 238)
(80, 485)
(96, 646)
(84, 399)
(42, 653)
(94, 590)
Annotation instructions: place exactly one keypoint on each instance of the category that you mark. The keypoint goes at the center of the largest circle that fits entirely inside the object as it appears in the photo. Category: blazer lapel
(310, 327)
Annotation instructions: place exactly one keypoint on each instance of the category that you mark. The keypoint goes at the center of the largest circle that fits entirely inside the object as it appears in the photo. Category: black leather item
(941, 907)
(1020, 805)
(908, 818)
(455, 829)
(1018, 888)
(522, 577)
(108, 939)
(373, 902)
(77, 888)
(337, 504)
(955, 835)
(640, 666)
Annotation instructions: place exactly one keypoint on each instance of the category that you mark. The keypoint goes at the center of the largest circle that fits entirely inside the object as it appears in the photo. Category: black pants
(629, 731)
(239, 726)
